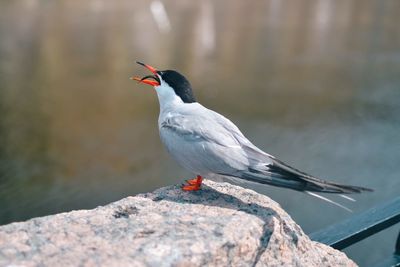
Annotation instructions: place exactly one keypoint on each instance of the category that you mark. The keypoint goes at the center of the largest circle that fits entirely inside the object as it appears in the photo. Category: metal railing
(361, 226)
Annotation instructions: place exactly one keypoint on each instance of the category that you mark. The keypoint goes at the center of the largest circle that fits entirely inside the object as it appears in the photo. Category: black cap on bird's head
(172, 78)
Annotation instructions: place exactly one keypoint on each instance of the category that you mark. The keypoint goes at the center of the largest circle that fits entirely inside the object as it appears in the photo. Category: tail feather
(282, 175)
(328, 200)
(347, 197)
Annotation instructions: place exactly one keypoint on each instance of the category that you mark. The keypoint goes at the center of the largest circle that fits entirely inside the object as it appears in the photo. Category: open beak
(155, 81)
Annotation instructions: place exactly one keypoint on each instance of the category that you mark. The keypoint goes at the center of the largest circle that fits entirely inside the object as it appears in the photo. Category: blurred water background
(314, 82)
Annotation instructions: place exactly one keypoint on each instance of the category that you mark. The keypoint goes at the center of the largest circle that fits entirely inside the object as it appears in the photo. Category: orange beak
(146, 80)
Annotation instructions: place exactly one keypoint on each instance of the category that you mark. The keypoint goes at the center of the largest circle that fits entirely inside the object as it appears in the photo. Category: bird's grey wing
(254, 154)
(202, 145)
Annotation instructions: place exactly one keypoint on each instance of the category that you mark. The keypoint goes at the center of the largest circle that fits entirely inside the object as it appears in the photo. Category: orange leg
(193, 184)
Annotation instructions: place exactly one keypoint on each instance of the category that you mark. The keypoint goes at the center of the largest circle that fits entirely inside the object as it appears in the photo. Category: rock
(221, 225)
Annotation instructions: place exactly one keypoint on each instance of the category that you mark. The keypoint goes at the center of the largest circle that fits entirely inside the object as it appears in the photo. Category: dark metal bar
(360, 226)
(394, 259)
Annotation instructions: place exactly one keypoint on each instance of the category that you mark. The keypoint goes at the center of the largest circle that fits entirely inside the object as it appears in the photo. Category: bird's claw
(193, 184)
(192, 181)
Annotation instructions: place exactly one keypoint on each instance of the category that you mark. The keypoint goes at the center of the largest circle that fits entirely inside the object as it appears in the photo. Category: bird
(208, 144)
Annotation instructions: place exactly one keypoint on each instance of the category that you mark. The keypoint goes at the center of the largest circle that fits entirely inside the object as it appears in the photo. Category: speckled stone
(221, 225)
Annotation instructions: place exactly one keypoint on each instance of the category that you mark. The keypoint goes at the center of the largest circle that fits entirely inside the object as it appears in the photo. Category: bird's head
(168, 84)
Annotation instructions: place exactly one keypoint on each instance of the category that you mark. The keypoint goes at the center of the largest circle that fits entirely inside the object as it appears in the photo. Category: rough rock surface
(221, 225)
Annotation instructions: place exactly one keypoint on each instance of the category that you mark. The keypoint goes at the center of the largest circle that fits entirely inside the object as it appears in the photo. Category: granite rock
(221, 225)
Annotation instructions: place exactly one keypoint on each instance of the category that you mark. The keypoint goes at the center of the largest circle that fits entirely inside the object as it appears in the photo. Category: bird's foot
(190, 187)
(193, 184)
(196, 181)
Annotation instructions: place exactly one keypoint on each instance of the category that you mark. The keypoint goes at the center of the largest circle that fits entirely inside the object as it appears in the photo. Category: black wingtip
(353, 189)
(365, 189)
